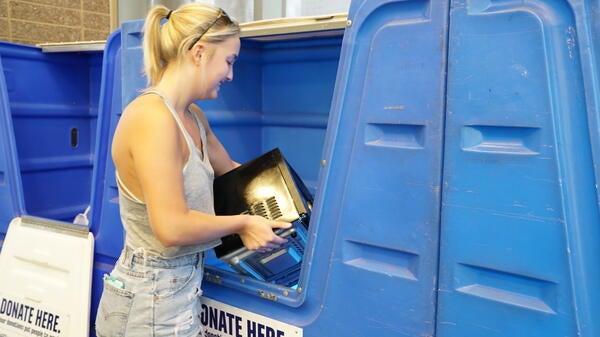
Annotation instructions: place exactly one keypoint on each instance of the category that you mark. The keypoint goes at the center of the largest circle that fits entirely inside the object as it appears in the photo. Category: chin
(209, 96)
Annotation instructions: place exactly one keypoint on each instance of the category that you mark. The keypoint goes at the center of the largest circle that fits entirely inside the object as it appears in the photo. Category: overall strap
(126, 191)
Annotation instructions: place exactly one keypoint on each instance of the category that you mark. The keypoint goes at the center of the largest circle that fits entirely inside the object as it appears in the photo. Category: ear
(197, 51)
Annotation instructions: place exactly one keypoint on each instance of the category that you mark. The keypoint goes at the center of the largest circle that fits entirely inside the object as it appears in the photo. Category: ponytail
(153, 59)
(183, 27)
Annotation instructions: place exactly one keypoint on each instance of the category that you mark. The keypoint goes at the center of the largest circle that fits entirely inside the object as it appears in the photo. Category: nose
(229, 76)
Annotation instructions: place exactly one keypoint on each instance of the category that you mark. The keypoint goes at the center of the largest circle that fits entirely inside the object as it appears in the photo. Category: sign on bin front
(222, 320)
(22, 318)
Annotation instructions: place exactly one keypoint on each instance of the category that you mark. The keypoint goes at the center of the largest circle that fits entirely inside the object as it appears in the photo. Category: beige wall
(39, 21)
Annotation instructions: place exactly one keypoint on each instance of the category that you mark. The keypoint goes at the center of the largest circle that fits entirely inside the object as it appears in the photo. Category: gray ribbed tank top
(198, 178)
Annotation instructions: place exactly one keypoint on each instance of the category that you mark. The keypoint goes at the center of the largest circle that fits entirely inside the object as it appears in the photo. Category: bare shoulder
(146, 112)
(145, 119)
(145, 106)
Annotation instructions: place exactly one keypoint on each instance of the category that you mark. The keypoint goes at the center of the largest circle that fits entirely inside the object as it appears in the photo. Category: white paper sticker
(22, 318)
(222, 320)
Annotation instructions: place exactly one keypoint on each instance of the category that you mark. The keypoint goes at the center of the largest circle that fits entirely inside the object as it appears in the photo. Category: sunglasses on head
(220, 15)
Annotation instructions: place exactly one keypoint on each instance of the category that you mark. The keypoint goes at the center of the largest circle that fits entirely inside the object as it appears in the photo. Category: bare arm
(157, 159)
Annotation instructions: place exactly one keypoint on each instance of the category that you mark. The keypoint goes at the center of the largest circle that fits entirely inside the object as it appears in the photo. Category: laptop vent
(267, 209)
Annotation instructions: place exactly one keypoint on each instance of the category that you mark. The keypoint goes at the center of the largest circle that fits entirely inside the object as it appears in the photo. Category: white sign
(20, 318)
(222, 320)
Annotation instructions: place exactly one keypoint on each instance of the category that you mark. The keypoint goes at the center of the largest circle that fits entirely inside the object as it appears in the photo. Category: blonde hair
(184, 27)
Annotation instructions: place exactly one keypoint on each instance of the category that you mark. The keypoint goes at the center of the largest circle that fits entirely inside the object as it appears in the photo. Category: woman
(166, 156)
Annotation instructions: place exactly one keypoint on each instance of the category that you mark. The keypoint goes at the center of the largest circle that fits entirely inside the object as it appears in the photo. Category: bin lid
(76, 46)
(332, 23)
(300, 26)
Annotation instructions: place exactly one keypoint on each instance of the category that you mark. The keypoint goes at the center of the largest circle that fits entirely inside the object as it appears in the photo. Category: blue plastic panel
(53, 103)
(374, 268)
(296, 106)
(519, 236)
(11, 191)
(49, 111)
(588, 19)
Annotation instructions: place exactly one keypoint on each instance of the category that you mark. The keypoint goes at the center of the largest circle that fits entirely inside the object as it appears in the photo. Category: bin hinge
(268, 296)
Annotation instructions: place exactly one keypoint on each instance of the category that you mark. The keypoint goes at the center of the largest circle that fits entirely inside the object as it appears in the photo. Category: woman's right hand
(258, 233)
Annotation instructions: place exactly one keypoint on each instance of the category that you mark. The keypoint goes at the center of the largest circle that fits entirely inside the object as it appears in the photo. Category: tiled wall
(40, 21)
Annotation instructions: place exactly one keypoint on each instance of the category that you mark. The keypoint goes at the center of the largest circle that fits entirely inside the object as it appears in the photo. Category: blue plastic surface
(377, 216)
(520, 238)
(11, 191)
(49, 111)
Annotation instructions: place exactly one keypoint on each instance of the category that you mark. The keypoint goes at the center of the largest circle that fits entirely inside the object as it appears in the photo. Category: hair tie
(169, 14)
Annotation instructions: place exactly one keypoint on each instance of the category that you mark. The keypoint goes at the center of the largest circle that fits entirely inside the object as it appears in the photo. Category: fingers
(272, 243)
(266, 246)
(260, 235)
(281, 224)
